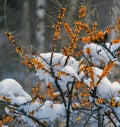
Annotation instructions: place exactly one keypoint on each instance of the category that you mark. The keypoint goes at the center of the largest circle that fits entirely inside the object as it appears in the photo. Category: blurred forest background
(30, 22)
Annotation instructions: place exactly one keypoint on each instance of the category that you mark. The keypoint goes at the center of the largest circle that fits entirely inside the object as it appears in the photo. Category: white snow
(70, 70)
(44, 76)
(58, 62)
(113, 47)
(12, 89)
(115, 86)
(47, 111)
(57, 58)
(99, 53)
(105, 89)
(43, 112)
(50, 111)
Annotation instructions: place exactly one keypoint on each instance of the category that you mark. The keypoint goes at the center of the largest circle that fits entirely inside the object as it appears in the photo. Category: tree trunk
(26, 21)
(2, 24)
(40, 13)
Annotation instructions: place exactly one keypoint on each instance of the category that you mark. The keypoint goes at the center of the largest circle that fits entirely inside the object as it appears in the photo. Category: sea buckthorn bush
(77, 90)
